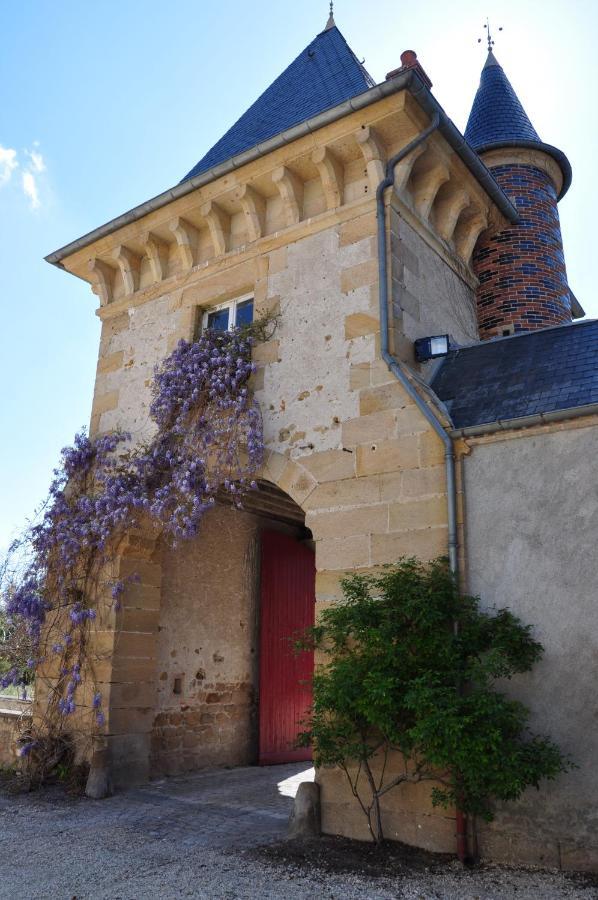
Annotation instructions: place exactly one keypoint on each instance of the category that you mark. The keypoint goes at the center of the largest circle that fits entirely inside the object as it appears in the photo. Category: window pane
(245, 312)
(218, 320)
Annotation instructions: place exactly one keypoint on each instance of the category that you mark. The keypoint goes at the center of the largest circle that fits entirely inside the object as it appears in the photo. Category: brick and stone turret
(523, 280)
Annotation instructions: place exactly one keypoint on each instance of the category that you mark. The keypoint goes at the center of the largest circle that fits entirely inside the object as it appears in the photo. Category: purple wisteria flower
(209, 440)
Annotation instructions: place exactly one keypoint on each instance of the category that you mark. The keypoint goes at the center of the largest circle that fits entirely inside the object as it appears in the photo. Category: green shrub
(410, 666)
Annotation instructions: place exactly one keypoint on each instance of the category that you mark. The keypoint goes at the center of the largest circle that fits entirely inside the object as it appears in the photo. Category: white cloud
(37, 160)
(30, 189)
(8, 163)
(31, 164)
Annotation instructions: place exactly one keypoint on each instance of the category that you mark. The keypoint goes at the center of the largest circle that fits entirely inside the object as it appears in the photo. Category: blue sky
(105, 104)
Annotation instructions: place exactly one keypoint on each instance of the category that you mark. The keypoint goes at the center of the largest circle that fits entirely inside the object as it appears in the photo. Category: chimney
(409, 61)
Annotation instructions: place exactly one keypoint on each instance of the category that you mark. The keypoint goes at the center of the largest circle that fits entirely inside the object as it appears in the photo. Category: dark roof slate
(507, 378)
(497, 115)
(325, 74)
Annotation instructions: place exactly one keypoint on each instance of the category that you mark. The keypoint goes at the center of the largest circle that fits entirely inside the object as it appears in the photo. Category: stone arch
(288, 475)
(127, 672)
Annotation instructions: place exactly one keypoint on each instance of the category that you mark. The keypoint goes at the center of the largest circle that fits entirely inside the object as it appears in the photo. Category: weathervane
(489, 37)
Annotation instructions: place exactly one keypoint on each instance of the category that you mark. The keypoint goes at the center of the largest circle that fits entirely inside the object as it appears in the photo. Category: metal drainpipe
(397, 370)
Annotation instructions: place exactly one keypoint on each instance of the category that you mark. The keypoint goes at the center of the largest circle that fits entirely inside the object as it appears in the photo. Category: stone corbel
(405, 167)
(426, 186)
(374, 155)
(129, 264)
(290, 188)
(447, 212)
(187, 237)
(254, 210)
(102, 279)
(468, 232)
(219, 225)
(331, 175)
(157, 252)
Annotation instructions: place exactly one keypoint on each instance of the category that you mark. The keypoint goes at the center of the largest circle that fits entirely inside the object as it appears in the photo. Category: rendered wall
(531, 523)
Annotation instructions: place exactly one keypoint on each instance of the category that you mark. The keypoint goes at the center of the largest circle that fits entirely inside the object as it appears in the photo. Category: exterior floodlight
(431, 347)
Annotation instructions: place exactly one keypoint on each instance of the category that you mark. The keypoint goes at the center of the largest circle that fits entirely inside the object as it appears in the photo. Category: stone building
(376, 446)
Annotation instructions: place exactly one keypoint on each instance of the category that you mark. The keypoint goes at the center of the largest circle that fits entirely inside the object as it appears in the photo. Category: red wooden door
(287, 607)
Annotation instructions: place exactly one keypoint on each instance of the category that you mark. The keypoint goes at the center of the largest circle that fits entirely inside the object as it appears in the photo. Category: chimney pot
(408, 58)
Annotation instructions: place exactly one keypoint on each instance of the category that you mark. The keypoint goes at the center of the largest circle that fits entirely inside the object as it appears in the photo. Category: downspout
(397, 370)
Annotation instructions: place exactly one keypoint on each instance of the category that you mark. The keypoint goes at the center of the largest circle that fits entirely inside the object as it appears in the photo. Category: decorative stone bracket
(187, 238)
(157, 253)
(374, 155)
(130, 265)
(290, 188)
(219, 225)
(428, 180)
(331, 175)
(102, 276)
(254, 209)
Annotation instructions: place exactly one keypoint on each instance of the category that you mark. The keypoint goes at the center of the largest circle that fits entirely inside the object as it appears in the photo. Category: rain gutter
(556, 415)
(408, 80)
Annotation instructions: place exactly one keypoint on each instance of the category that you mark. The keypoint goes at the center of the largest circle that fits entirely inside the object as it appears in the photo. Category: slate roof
(497, 115)
(325, 74)
(523, 375)
(497, 119)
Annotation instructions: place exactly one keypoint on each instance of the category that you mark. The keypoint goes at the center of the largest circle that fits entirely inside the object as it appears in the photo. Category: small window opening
(177, 685)
(230, 315)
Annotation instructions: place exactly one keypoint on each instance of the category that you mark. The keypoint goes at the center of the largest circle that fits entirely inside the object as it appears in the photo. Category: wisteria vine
(208, 439)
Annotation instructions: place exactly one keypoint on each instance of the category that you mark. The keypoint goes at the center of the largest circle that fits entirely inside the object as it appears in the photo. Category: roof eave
(408, 80)
(555, 415)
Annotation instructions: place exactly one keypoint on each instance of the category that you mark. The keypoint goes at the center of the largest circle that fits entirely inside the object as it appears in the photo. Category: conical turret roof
(325, 74)
(497, 114)
(498, 119)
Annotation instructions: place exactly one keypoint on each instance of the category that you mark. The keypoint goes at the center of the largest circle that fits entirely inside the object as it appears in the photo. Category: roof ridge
(523, 334)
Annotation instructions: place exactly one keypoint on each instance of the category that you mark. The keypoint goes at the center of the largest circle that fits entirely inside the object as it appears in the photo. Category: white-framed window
(229, 315)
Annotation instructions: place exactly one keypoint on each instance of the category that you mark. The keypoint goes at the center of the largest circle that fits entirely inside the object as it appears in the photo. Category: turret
(521, 270)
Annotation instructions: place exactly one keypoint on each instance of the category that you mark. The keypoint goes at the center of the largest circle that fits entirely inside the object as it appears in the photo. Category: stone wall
(343, 440)
(12, 712)
(531, 526)
(431, 293)
(208, 648)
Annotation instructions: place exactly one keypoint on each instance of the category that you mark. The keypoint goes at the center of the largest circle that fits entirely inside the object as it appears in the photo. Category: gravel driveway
(200, 836)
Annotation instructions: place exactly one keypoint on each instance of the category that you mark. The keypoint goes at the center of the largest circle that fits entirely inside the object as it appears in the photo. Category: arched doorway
(286, 609)
(230, 690)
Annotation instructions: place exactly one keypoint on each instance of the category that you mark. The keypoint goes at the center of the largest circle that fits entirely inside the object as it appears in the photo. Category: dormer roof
(325, 74)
